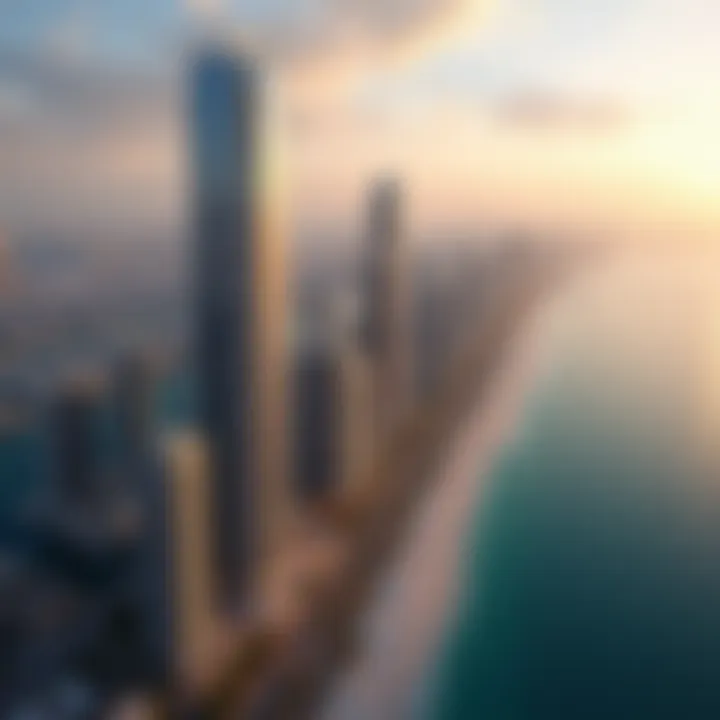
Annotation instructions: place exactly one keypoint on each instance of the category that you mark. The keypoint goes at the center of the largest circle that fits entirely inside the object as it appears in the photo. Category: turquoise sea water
(591, 584)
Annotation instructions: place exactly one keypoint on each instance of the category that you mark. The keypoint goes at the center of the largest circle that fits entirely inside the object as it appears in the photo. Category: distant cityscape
(187, 429)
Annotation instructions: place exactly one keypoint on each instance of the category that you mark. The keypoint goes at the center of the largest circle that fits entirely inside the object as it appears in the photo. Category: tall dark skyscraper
(135, 386)
(318, 423)
(387, 305)
(333, 437)
(76, 423)
(240, 322)
(85, 517)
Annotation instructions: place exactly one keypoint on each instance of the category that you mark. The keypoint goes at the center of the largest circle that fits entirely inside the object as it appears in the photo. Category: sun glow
(686, 153)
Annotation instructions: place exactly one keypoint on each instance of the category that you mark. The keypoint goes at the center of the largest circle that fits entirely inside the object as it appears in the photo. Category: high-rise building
(176, 571)
(432, 323)
(84, 516)
(135, 385)
(334, 441)
(357, 436)
(240, 357)
(317, 385)
(387, 307)
(7, 281)
(76, 422)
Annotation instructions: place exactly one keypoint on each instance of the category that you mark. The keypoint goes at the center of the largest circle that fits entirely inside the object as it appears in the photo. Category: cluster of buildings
(153, 551)
(156, 544)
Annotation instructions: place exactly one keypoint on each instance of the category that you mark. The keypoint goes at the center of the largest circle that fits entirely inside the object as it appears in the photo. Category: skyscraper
(75, 417)
(387, 327)
(318, 423)
(135, 384)
(356, 436)
(175, 580)
(240, 323)
(84, 516)
(334, 404)
(7, 281)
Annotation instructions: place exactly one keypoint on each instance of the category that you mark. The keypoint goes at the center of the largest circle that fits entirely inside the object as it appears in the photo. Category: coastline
(405, 626)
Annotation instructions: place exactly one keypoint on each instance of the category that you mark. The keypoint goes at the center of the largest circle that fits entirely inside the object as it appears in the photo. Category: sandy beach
(405, 625)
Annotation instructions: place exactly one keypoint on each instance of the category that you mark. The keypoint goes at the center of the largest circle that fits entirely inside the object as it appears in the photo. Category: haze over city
(492, 109)
(359, 359)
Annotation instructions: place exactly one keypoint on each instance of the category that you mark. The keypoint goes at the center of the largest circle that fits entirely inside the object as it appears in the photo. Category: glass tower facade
(226, 117)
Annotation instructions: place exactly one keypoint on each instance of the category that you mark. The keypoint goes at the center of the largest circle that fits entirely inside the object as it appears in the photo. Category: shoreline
(410, 612)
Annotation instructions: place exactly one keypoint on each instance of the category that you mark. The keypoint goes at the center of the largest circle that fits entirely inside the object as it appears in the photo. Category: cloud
(82, 91)
(387, 24)
(80, 130)
(298, 33)
(80, 142)
(540, 110)
(70, 40)
(205, 7)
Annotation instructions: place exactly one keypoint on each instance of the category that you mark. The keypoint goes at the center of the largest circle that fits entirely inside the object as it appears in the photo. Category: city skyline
(217, 443)
(192, 538)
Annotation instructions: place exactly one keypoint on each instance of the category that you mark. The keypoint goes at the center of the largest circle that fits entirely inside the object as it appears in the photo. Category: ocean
(590, 573)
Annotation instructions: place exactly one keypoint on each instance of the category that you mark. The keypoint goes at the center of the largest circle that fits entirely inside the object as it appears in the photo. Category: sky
(553, 115)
